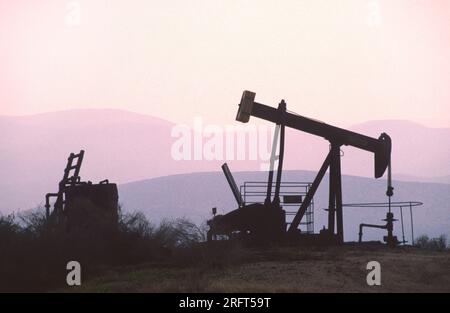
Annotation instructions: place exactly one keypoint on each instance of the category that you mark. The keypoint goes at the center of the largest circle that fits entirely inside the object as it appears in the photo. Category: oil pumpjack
(266, 222)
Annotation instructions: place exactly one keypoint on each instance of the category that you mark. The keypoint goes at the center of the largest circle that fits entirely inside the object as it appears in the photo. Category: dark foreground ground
(286, 269)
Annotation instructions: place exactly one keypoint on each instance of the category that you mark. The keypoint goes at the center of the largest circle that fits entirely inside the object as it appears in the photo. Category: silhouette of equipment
(81, 204)
(390, 239)
(266, 222)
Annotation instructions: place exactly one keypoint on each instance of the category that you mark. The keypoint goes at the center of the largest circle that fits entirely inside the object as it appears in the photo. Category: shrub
(439, 243)
(34, 256)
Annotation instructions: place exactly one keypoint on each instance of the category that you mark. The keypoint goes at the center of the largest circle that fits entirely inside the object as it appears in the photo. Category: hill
(125, 146)
(193, 196)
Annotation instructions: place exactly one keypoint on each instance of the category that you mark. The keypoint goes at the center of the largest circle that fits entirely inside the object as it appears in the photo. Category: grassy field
(286, 269)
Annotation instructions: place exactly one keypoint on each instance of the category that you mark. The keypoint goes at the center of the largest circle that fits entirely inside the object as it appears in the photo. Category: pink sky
(180, 59)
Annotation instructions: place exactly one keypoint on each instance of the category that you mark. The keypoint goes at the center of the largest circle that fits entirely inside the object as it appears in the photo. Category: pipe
(47, 203)
(371, 226)
(390, 239)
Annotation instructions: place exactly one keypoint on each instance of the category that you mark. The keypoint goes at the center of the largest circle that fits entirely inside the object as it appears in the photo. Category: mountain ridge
(197, 193)
(125, 146)
(147, 115)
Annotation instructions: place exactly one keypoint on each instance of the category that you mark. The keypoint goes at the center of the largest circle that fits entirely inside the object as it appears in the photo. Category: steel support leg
(307, 201)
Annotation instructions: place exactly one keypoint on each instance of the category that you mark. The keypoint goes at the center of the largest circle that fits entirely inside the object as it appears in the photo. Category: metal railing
(401, 205)
(255, 192)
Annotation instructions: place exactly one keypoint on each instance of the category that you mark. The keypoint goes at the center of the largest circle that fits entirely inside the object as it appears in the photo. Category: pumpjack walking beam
(337, 137)
(380, 147)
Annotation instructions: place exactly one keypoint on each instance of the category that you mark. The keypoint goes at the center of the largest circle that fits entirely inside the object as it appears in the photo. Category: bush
(439, 243)
(34, 256)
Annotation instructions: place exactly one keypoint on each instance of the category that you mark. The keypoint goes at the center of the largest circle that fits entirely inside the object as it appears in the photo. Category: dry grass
(289, 269)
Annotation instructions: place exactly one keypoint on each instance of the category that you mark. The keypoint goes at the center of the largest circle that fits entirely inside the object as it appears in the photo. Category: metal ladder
(71, 177)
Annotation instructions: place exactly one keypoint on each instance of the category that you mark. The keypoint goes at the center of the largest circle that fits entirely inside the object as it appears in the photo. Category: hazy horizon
(343, 63)
(125, 147)
(125, 111)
